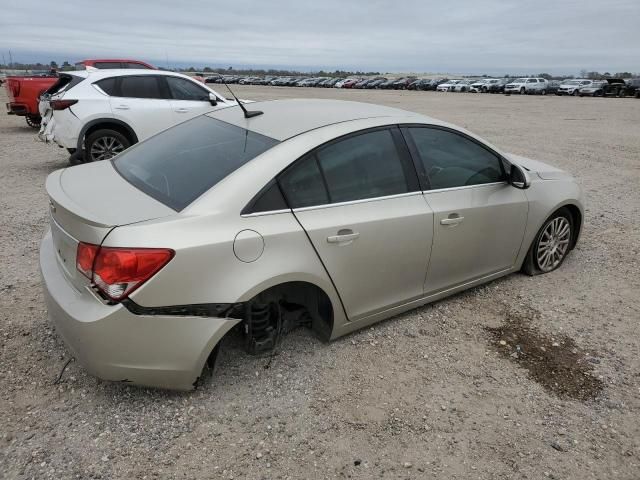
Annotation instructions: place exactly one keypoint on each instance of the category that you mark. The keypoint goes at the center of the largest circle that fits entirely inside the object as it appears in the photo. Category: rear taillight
(117, 272)
(61, 104)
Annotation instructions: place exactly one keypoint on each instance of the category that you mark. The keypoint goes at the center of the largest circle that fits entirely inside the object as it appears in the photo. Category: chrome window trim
(462, 187)
(355, 202)
(269, 212)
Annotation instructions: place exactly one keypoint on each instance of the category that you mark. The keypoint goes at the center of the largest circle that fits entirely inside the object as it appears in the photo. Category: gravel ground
(427, 394)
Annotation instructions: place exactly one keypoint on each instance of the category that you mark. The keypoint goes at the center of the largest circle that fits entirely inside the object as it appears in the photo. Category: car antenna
(247, 113)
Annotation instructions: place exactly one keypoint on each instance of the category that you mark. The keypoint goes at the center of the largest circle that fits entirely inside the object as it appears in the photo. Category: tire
(522, 91)
(543, 92)
(104, 144)
(576, 92)
(551, 244)
(484, 90)
(33, 120)
(622, 93)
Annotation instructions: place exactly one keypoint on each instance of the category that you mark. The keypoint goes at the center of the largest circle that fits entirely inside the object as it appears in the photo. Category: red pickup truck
(24, 91)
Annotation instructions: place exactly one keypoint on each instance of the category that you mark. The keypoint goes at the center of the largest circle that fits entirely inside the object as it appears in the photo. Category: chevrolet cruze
(326, 214)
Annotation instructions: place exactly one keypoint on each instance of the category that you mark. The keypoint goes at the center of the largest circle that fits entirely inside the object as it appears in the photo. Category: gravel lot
(428, 394)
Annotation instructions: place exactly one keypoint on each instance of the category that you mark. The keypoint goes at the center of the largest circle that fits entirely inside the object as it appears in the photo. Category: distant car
(527, 85)
(376, 83)
(462, 86)
(387, 84)
(97, 114)
(572, 87)
(314, 214)
(448, 85)
(633, 88)
(484, 85)
(420, 84)
(611, 87)
(498, 87)
(553, 86)
(402, 83)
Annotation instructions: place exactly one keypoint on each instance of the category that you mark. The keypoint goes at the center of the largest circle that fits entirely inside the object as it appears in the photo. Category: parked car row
(522, 85)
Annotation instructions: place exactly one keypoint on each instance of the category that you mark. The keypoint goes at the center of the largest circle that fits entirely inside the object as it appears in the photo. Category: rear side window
(147, 86)
(452, 160)
(65, 82)
(134, 65)
(185, 161)
(106, 65)
(108, 86)
(363, 166)
(182, 89)
(303, 185)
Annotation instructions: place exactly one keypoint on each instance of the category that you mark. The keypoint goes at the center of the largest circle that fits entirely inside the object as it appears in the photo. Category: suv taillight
(61, 104)
(116, 271)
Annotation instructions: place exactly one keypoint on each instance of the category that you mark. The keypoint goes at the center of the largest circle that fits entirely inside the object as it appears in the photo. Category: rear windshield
(178, 165)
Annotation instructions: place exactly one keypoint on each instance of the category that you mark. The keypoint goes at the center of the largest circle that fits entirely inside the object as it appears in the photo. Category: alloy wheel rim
(105, 148)
(553, 244)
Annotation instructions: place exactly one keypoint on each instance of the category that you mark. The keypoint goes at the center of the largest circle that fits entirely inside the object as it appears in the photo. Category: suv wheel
(543, 92)
(104, 144)
(33, 120)
(576, 92)
(522, 91)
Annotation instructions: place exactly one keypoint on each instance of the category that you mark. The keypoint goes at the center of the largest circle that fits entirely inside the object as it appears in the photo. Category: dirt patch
(555, 362)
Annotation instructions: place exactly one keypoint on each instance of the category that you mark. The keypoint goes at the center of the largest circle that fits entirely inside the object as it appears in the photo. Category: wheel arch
(112, 123)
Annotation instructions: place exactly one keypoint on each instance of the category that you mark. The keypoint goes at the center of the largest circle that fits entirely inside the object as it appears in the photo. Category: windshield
(572, 82)
(520, 80)
(178, 165)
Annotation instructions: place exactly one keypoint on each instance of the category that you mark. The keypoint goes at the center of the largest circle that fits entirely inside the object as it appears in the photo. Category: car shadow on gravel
(555, 362)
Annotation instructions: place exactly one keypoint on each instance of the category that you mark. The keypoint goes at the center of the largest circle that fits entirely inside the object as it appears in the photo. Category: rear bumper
(114, 344)
(14, 108)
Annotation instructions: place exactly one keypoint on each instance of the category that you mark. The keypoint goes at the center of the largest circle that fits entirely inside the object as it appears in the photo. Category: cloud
(411, 35)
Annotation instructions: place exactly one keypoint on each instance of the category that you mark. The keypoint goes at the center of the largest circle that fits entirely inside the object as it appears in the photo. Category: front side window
(147, 86)
(185, 161)
(363, 166)
(182, 89)
(452, 160)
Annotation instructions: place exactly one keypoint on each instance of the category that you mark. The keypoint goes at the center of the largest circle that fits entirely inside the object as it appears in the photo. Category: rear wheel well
(118, 127)
(292, 296)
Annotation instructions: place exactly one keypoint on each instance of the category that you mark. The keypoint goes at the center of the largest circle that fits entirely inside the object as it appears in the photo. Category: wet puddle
(556, 363)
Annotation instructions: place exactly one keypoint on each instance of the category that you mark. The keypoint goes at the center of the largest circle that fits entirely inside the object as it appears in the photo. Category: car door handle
(453, 219)
(182, 110)
(123, 107)
(343, 236)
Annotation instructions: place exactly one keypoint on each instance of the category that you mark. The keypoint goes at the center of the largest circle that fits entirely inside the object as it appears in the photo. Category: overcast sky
(461, 36)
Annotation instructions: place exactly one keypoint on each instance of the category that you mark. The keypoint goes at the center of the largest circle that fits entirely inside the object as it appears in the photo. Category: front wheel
(104, 144)
(33, 120)
(543, 92)
(522, 91)
(576, 93)
(551, 245)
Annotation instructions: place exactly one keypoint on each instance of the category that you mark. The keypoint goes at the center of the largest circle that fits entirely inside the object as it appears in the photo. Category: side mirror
(213, 100)
(519, 177)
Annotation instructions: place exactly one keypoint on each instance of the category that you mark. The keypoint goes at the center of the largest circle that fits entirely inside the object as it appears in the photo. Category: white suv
(572, 87)
(96, 114)
(527, 85)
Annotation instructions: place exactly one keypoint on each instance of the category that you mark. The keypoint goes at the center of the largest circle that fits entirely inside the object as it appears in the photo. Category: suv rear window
(182, 163)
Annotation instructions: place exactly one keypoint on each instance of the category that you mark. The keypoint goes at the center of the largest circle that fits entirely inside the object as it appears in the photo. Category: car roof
(283, 119)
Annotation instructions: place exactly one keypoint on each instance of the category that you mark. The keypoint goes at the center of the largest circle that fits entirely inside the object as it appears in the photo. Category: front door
(188, 99)
(479, 219)
(359, 201)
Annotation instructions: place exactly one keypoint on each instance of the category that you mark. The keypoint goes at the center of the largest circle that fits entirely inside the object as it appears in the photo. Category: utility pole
(10, 59)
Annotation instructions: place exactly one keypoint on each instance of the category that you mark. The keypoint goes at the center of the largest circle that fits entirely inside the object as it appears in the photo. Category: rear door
(479, 218)
(188, 99)
(359, 201)
(141, 101)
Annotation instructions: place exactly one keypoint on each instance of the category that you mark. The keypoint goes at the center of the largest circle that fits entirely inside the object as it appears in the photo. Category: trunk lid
(85, 203)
